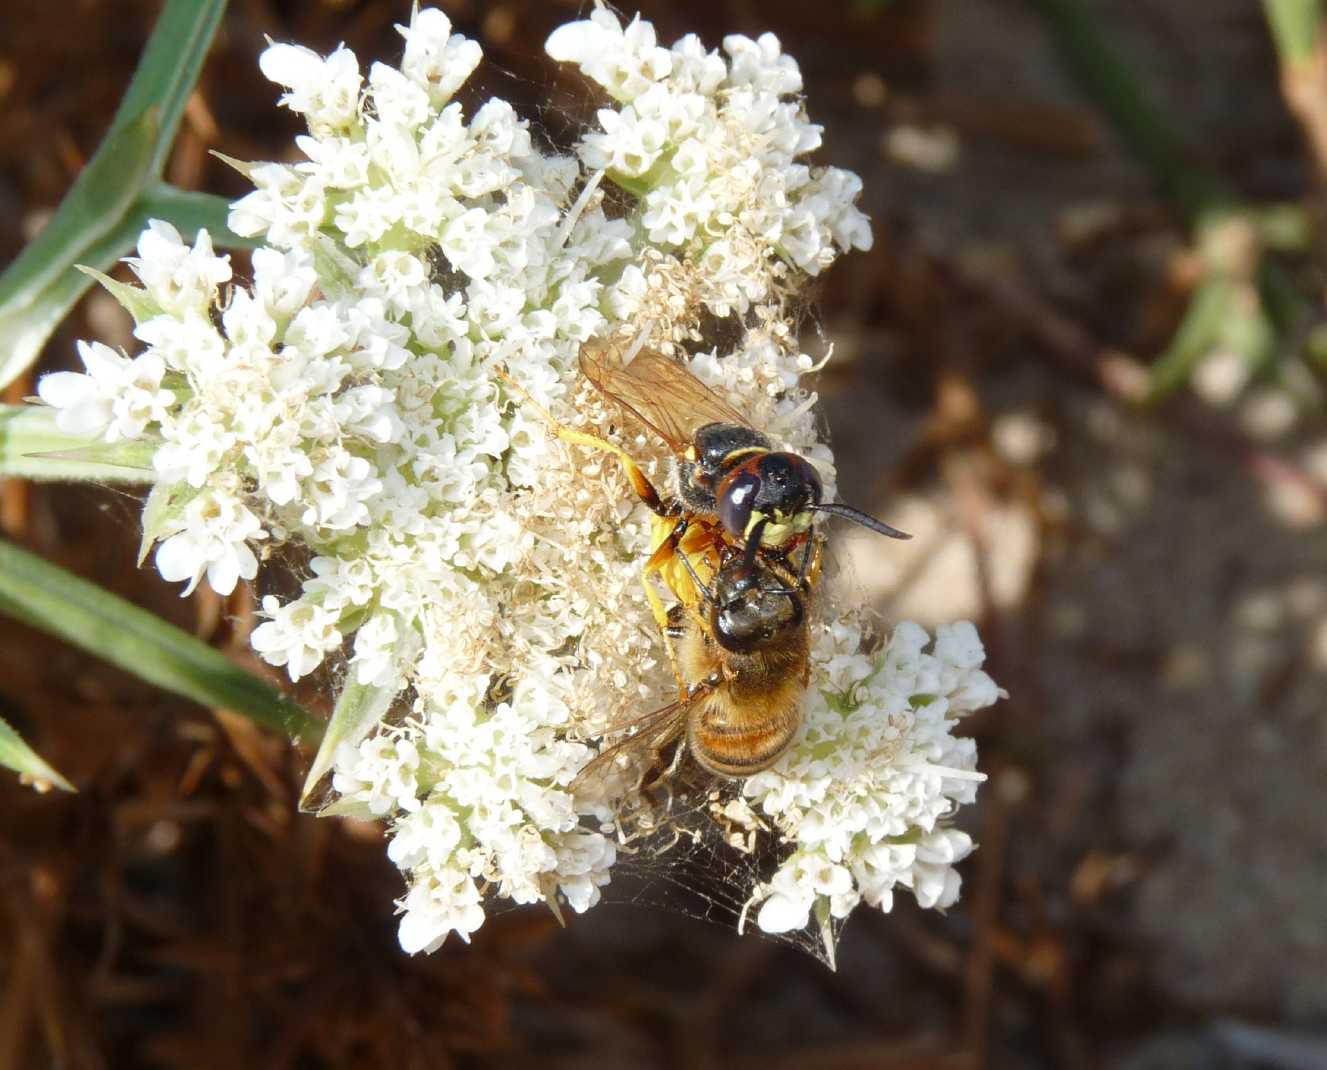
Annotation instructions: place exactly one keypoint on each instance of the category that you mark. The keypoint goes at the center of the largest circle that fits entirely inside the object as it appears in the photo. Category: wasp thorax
(751, 608)
(714, 450)
(779, 488)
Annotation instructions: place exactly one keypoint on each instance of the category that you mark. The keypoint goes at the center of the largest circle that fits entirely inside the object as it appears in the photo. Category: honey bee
(745, 661)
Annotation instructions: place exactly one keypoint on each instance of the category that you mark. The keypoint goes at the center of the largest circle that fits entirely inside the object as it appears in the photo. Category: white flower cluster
(711, 147)
(347, 400)
(863, 793)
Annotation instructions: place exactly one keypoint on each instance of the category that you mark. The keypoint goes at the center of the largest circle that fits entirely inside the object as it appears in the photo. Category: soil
(1151, 582)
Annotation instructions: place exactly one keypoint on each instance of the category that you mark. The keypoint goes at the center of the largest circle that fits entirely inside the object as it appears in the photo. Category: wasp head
(780, 490)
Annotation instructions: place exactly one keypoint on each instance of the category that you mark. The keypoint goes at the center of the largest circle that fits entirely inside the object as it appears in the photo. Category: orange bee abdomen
(735, 735)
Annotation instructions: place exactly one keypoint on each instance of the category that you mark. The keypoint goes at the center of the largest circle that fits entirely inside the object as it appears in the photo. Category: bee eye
(737, 497)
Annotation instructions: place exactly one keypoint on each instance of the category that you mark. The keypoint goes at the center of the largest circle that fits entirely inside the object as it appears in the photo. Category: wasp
(728, 472)
(731, 482)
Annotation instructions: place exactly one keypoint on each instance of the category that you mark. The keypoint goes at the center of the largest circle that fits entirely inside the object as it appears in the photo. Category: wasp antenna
(752, 547)
(866, 521)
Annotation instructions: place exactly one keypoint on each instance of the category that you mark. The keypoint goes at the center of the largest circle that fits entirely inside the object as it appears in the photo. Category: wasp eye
(736, 500)
(791, 483)
(812, 479)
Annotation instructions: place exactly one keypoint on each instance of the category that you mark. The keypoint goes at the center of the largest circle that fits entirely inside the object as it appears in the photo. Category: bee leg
(640, 483)
(662, 782)
(807, 572)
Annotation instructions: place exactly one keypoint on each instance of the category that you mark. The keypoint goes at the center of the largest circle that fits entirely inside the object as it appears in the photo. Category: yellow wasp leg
(676, 545)
(655, 565)
(665, 535)
(669, 536)
(640, 483)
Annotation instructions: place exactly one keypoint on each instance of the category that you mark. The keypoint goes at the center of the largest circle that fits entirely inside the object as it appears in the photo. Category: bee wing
(658, 391)
(649, 734)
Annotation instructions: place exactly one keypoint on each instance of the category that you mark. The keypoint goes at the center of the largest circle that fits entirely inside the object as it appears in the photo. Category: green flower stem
(49, 598)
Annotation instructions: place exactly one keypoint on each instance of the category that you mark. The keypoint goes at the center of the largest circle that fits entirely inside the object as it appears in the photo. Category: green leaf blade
(101, 196)
(25, 327)
(104, 211)
(15, 754)
(32, 446)
(189, 212)
(56, 601)
(169, 68)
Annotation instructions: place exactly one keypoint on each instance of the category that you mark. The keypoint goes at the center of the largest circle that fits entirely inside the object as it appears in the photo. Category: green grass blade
(191, 212)
(42, 285)
(1120, 94)
(56, 601)
(169, 69)
(103, 212)
(33, 447)
(28, 321)
(18, 756)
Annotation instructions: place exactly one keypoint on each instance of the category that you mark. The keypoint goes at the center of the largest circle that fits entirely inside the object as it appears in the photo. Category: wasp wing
(658, 391)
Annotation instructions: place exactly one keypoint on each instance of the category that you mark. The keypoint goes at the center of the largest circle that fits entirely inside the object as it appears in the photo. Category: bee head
(751, 608)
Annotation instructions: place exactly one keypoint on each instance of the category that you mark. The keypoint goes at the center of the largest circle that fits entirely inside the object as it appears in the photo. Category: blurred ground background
(1149, 578)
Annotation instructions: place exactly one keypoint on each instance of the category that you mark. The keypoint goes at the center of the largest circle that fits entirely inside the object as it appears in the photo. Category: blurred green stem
(1197, 334)
(1205, 200)
(1294, 25)
(1143, 126)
